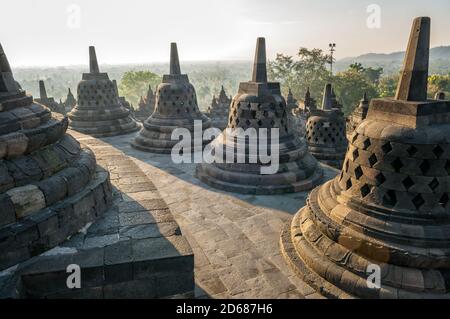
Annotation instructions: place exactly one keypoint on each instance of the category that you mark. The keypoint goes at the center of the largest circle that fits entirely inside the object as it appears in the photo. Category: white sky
(37, 32)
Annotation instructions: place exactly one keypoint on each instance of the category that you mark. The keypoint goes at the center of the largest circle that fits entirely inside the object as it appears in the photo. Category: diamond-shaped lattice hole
(425, 167)
(408, 182)
(438, 151)
(444, 200)
(418, 201)
(349, 184)
(380, 178)
(358, 172)
(354, 138)
(367, 143)
(386, 147)
(355, 154)
(397, 164)
(434, 184)
(390, 198)
(412, 150)
(365, 190)
(373, 160)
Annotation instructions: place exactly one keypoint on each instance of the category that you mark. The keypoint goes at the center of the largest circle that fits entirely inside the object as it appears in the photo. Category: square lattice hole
(365, 190)
(358, 172)
(380, 178)
(397, 164)
(373, 160)
(408, 182)
(386, 148)
(438, 151)
(418, 201)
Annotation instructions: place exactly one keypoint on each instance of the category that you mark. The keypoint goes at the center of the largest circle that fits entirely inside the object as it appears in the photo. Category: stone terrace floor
(235, 238)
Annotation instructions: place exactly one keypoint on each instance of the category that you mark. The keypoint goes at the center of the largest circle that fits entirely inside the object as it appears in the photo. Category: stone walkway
(235, 238)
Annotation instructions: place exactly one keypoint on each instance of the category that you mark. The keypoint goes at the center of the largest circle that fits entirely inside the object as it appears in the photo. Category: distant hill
(392, 62)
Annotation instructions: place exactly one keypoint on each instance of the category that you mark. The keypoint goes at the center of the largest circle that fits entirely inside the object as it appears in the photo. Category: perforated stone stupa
(358, 115)
(259, 104)
(50, 186)
(99, 111)
(390, 205)
(325, 131)
(176, 107)
(219, 109)
(49, 101)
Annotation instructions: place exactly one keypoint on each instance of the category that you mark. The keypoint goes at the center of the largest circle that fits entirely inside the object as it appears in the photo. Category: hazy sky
(47, 32)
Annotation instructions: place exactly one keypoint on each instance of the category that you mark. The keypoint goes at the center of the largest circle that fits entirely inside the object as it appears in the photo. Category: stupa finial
(174, 60)
(259, 65)
(414, 78)
(93, 63)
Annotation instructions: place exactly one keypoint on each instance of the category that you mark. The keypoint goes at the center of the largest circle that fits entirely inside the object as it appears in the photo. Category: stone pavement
(235, 238)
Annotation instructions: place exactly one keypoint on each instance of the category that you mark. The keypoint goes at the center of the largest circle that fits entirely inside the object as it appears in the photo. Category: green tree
(134, 84)
(350, 87)
(437, 83)
(388, 86)
(309, 69)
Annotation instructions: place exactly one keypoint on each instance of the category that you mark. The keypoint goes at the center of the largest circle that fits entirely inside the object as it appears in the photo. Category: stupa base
(244, 187)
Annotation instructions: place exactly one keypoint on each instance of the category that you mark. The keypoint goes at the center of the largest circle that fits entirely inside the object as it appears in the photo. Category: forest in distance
(374, 74)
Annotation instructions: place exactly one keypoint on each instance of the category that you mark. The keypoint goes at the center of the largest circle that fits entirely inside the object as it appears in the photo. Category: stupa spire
(4, 64)
(42, 90)
(327, 102)
(414, 78)
(93, 63)
(174, 60)
(259, 65)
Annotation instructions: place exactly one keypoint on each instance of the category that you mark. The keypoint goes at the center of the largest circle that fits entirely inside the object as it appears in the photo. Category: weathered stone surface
(259, 105)
(148, 258)
(44, 175)
(390, 205)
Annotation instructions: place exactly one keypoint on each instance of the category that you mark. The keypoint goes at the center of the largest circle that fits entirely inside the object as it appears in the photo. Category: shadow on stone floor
(289, 203)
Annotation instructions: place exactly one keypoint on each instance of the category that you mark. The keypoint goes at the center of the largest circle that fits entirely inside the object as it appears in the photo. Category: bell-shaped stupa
(357, 116)
(259, 107)
(99, 111)
(50, 186)
(325, 131)
(219, 110)
(176, 108)
(381, 229)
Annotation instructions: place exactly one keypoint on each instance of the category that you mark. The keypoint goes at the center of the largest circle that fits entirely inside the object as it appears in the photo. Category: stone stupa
(176, 107)
(70, 101)
(389, 207)
(50, 186)
(47, 100)
(291, 102)
(357, 116)
(260, 105)
(99, 111)
(219, 109)
(325, 131)
(146, 105)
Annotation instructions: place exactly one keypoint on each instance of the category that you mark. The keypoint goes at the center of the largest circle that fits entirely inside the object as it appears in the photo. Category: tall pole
(332, 50)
